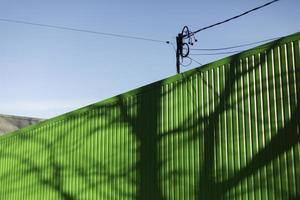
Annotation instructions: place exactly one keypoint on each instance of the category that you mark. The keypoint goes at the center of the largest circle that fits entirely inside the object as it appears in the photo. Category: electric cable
(83, 30)
(218, 53)
(237, 46)
(232, 18)
(186, 65)
(174, 48)
(195, 61)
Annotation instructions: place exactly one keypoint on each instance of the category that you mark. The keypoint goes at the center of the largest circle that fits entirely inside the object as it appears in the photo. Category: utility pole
(183, 40)
(179, 44)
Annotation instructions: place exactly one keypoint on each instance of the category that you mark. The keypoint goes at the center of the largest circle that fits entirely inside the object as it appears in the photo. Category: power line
(237, 46)
(210, 54)
(188, 35)
(191, 61)
(221, 53)
(83, 30)
(186, 65)
(195, 61)
(232, 47)
(232, 18)
(172, 44)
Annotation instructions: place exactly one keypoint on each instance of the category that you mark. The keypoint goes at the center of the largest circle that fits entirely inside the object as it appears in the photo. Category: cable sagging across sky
(232, 18)
(83, 30)
(236, 46)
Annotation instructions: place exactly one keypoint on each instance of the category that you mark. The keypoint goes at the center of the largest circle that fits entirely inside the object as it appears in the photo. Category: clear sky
(47, 72)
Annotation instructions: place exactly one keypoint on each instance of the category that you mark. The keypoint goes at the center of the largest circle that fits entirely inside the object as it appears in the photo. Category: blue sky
(47, 72)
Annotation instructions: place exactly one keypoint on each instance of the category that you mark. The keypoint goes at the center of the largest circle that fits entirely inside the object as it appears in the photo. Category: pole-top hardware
(183, 46)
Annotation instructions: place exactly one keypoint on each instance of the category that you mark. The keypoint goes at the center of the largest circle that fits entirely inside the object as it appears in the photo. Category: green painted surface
(227, 130)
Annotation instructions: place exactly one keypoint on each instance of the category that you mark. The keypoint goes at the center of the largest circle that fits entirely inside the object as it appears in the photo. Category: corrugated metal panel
(228, 130)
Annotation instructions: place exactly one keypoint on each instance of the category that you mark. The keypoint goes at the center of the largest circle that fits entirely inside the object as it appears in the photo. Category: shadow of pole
(144, 127)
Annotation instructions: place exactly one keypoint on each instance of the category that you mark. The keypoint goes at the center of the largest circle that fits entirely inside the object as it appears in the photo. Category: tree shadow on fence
(112, 151)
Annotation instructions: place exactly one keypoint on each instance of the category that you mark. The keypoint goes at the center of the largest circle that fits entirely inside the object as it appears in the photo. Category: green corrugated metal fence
(227, 130)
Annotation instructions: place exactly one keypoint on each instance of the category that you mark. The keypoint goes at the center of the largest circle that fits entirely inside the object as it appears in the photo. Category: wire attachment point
(183, 41)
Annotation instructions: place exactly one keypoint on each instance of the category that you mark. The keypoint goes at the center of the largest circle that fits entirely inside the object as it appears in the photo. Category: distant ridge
(9, 123)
